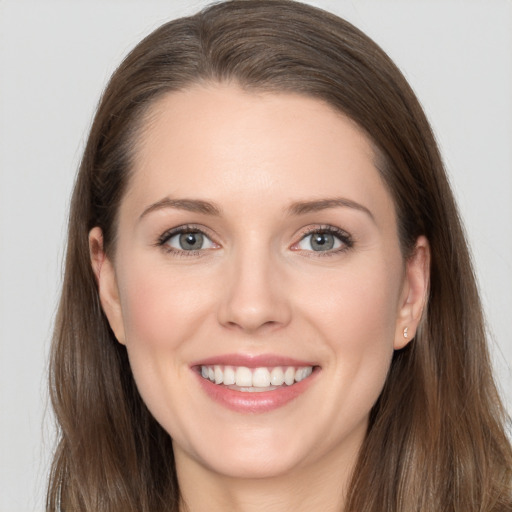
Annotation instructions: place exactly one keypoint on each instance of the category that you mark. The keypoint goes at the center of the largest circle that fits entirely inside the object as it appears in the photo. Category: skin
(259, 288)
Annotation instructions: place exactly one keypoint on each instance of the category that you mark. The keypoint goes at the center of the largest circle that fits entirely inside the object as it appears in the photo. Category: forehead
(220, 142)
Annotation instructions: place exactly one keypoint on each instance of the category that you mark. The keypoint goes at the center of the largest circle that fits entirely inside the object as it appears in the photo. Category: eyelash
(181, 230)
(344, 237)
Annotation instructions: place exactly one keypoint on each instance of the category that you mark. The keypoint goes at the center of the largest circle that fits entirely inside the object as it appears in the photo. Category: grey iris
(322, 241)
(191, 241)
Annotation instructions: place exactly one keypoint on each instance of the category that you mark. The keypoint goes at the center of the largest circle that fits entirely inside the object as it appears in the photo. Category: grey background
(55, 57)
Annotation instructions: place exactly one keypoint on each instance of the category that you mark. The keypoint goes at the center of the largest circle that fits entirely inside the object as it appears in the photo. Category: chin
(241, 451)
(255, 466)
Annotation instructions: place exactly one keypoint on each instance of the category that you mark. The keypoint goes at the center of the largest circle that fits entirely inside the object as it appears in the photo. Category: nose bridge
(254, 297)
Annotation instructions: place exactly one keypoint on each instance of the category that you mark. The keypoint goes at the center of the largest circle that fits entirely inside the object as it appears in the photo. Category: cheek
(159, 307)
(161, 313)
(362, 342)
(356, 312)
(358, 305)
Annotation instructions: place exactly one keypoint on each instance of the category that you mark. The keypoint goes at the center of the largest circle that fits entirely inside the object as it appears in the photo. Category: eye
(186, 240)
(324, 240)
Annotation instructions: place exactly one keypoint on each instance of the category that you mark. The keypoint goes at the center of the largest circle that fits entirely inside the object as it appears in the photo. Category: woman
(268, 300)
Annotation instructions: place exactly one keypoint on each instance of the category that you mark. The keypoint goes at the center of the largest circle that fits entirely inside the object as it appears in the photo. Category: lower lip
(259, 401)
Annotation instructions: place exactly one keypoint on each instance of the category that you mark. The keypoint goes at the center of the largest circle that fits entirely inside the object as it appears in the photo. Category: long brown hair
(436, 439)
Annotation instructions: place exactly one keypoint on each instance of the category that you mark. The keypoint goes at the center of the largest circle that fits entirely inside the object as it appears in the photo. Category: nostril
(247, 325)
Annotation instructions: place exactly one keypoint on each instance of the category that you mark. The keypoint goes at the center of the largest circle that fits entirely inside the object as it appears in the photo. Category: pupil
(191, 241)
(322, 242)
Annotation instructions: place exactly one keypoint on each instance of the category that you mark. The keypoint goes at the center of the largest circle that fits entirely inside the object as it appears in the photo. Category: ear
(107, 283)
(414, 293)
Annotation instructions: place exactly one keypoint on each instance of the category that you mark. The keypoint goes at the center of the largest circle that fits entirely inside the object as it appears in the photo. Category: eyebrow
(190, 205)
(296, 208)
(303, 207)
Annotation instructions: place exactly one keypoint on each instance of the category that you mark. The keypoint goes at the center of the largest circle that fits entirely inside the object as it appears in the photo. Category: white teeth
(277, 377)
(302, 373)
(261, 378)
(255, 379)
(229, 376)
(289, 376)
(217, 371)
(243, 376)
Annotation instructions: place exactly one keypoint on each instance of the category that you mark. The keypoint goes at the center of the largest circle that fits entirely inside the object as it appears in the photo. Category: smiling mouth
(254, 380)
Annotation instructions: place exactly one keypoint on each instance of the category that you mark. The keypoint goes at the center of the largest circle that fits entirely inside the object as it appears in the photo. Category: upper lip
(252, 361)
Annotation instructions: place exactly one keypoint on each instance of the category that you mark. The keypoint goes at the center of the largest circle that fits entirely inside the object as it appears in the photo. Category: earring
(406, 334)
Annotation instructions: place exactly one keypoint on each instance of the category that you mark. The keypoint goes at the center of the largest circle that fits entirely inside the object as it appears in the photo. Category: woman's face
(257, 246)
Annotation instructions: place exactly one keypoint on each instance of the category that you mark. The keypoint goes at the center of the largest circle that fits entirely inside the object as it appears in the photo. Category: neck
(320, 486)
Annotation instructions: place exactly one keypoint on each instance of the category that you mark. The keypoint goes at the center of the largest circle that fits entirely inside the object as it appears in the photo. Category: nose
(254, 299)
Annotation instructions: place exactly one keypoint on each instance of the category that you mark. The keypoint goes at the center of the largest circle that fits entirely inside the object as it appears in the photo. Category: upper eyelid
(324, 228)
(185, 228)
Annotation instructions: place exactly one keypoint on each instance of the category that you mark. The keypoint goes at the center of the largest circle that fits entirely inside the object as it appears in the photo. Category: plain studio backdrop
(55, 58)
